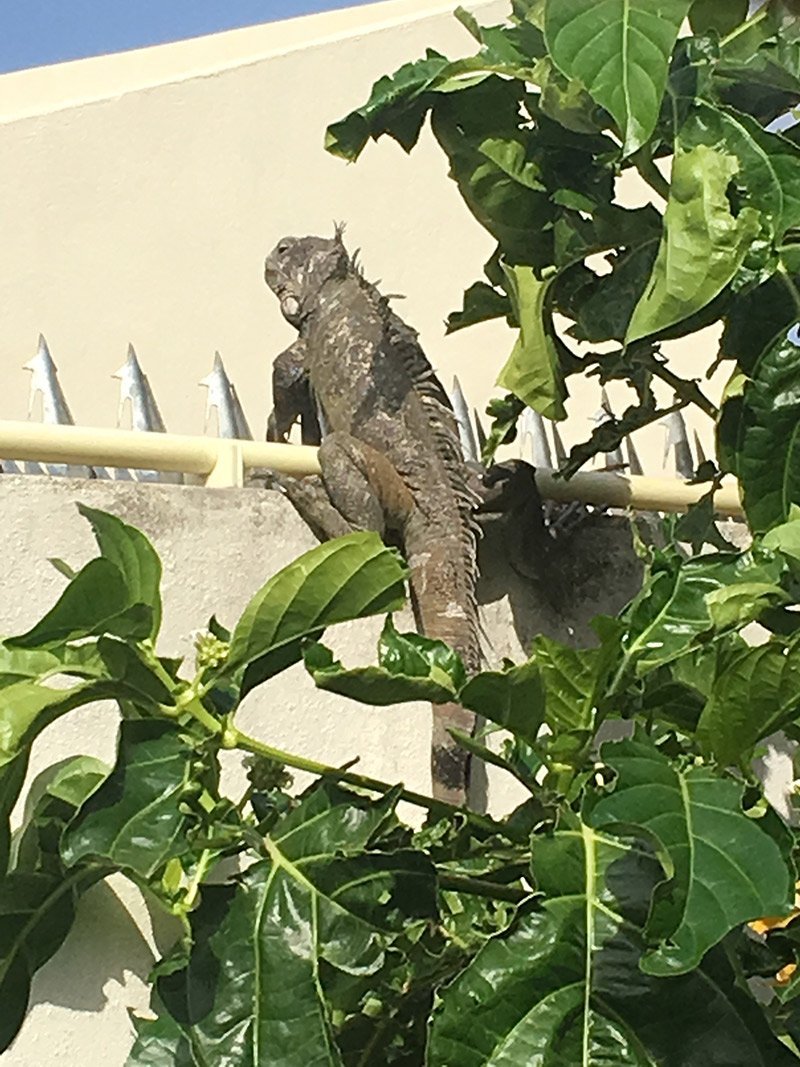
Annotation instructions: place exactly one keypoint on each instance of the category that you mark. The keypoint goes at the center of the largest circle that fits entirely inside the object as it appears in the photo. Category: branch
(235, 739)
(481, 887)
(688, 391)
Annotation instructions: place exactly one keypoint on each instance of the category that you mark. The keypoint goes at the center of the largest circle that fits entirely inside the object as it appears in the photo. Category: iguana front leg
(292, 398)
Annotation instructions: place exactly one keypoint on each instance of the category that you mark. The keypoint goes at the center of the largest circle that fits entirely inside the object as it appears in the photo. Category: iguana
(390, 453)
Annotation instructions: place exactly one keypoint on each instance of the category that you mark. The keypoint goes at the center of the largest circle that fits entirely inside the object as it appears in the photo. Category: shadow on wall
(105, 944)
(555, 588)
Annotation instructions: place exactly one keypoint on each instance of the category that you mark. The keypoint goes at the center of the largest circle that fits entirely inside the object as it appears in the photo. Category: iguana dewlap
(390, 454)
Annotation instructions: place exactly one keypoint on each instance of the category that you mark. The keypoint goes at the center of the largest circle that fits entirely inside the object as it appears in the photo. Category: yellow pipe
(222, 462)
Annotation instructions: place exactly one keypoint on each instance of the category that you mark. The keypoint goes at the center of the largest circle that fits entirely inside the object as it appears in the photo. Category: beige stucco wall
(140, 192)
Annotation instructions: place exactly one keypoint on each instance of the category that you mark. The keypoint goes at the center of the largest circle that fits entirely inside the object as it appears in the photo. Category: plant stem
(686, 390)
(654, 178)
(743, 27)
(788, 281)
(236, 739)
(481, 887)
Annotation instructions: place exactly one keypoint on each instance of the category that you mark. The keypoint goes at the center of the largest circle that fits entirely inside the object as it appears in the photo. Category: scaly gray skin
(390, 454)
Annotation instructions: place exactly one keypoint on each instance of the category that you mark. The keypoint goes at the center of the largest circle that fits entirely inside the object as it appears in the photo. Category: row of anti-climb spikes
(535, 442)
(135, 389)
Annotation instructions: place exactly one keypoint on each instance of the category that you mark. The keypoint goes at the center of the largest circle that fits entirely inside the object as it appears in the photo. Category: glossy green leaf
(562, 986)
(398, 103)
(136, 559)
(512, 697)
(672, 609)
(376, 685)
(481, 303)
(347, 578)
(38, 897)
(12, 776)
(722, 17)
(410, 667)
(36, 913)
(759, 436)
(532, 372)
(26, 708)
(785, 538)
(703, 244)
(96, 601)
(756, 691)
(162, 1042)
(736, 605)
(316, 901)
(136, 820)
(769, 164)
(518, 217)
(620, 50)
(722, 868)
(574, 679)
(54, 797)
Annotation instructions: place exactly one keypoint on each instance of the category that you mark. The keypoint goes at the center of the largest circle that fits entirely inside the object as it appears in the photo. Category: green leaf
(574, 680)
(706, 15)
(36, 913)
(136, 559)
(722, 868)
(12, 776)
(562, 985)
(736, 605)
(348, 578)
(136, 821)
(380, 685)
(520, 218)
(532, 372)
(785, 538)
(398, 103)
(757, 319)
(512, 697)
(672, 609)
(52, 801)
(759, 436)
(374, 685)
(703, 245)
(769, 164)
(96, 601)
(481, 303)
(620, 50)
(316, 904)
(162, 1042)
(756, 691)
(26, 708)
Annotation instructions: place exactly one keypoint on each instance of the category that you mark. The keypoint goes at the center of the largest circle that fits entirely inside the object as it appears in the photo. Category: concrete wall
(139, 194)
(218, 547)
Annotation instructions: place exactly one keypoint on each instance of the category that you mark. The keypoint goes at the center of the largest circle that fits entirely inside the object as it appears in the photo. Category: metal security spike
(145, 417)
(480, 433)
(534, 445)
(677, 440)
(698, 447)
(605, 412)
(468, 443)
(222, 398)
(559, 450)
(55, 410)
(634, 463)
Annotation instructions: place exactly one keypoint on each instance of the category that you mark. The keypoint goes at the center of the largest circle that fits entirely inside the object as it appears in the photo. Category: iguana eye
(283, 247)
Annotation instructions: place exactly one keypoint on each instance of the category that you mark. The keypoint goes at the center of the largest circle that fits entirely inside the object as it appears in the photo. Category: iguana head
(298, 267)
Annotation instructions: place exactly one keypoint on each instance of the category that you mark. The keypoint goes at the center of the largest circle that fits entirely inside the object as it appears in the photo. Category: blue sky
(35, 32)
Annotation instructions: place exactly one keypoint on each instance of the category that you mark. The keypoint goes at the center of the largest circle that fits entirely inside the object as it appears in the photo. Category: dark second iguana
(390, 454)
